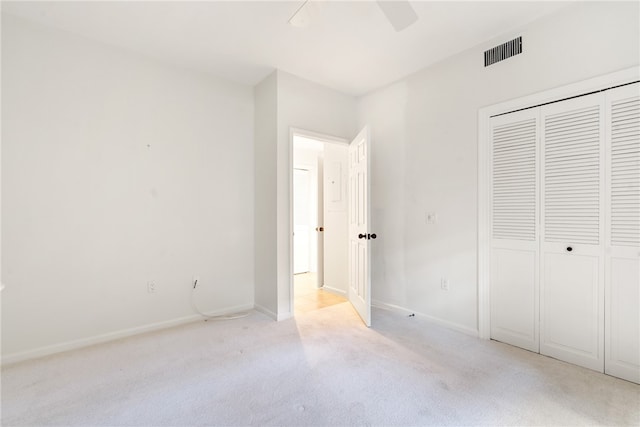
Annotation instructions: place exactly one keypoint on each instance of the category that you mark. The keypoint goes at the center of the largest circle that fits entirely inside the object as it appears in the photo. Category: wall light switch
(432, 218)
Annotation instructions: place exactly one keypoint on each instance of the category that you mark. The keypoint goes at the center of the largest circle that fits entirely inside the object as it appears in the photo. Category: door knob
(569, 248)
(319, 228)
(367, 236)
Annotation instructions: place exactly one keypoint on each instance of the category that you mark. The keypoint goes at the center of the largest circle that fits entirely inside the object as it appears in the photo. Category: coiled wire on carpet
(209, 317)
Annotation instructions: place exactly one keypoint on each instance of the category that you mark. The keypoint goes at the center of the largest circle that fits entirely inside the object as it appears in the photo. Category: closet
(565, 230)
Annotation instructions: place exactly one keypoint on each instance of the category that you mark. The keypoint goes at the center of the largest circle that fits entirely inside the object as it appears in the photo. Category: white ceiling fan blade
(300, 17)
(308, 12)
(400, 13)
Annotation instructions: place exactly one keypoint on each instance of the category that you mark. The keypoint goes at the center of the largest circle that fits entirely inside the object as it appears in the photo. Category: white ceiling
(349, 46)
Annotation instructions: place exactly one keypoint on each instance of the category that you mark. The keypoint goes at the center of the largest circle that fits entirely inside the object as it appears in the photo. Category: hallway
(307, 297)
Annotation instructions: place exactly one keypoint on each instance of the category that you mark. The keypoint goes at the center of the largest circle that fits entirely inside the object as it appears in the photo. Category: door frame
(293, 132)
(584, 87)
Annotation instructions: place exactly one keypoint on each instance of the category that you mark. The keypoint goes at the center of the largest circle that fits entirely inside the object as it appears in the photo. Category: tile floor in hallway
(308, 297)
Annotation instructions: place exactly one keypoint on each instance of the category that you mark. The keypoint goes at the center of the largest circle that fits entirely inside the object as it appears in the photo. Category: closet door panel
(622, 353)
(514, 229)
(622, 312)
(572, 263)
(513, 304)
(571, 286)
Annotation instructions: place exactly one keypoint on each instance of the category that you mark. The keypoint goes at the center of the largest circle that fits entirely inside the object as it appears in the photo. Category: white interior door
(514, 229)
(359, 224)
(320, 222)
(301, 221)
(572, 262)
(585, 177)
(622, 254)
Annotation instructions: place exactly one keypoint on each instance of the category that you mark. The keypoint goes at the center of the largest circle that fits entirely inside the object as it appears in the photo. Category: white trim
(284, 316)
(575, 89)
(261, 309)
(437, 321)
(293, 132)
(111, 336)
(315, 135)
(484, 248)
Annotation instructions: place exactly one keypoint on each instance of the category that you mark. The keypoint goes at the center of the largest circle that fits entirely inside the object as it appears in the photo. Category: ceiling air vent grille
(503, 51)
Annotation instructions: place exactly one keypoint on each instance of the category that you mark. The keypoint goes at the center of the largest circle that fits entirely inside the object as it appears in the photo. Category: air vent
(503, 51)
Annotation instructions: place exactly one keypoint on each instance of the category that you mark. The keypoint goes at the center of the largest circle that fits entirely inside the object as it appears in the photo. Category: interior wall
(335, 275)
(385, 112)
(117, 171)
(311, 107)
(425, 135)
(1, 284)
(265, 169)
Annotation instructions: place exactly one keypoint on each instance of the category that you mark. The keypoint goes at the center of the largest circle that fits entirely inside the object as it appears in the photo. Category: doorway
(304, 215)
(319, 207)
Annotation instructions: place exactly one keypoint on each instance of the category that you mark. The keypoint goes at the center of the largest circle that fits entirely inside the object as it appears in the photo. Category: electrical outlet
(444, 284)
(431, 217)
(151, 287)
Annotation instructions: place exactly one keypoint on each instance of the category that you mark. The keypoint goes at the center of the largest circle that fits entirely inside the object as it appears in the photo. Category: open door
(359, 222)
(320, 222)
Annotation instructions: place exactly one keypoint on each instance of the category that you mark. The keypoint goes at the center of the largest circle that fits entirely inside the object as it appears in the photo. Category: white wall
(335, 186)
(425, 135)
(308, 106)
(385, 112)
(117, 170)
(265, 169)
(307, 159)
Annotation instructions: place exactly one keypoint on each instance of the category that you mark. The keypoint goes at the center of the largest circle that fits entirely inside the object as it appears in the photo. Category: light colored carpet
(323, 368)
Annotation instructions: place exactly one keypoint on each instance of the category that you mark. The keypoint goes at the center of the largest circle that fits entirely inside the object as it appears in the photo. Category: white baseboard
(277, 317)
(432, 319)
(284, 316)
(391, 307)
(265, 311)
(111, 336)
(335, 291)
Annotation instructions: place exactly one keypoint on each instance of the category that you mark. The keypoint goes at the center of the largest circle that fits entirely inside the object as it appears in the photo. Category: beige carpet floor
(321, 368)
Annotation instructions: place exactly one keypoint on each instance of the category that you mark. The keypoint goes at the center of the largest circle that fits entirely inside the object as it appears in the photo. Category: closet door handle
(362, 236)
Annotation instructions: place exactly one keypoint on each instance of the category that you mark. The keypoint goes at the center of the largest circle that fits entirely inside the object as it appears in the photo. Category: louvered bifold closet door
(622, 255)
(514, 228)
(572, 263)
